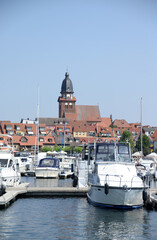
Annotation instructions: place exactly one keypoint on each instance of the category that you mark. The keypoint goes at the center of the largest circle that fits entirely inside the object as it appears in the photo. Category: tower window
(66, 105)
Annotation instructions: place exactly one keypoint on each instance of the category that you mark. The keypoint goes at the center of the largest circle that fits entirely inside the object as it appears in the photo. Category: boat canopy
(49, 162)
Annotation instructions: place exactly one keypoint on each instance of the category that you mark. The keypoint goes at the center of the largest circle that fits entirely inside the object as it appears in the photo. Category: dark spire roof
(67, 86)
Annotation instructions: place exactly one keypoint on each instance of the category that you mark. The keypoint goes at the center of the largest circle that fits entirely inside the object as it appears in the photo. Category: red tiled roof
(85, 113)
(121, 123)
(154, 135)
(32, 140)
(105, 122)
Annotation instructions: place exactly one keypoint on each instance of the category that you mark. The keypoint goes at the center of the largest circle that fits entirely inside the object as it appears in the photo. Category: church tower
(66, 100)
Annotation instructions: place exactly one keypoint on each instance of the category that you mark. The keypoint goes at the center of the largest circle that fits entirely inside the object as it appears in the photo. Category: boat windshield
(111, 152)
(48, 163)
(3, 162)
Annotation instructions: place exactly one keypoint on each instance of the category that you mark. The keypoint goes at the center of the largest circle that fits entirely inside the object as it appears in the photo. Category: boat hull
(116, 197)
(46, 173)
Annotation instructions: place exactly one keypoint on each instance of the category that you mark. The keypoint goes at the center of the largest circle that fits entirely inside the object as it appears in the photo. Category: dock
(24, 191)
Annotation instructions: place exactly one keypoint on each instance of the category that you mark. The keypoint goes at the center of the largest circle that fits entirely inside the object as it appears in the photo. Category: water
(72, 218)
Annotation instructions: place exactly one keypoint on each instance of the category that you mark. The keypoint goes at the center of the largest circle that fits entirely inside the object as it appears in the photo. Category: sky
(109, 48)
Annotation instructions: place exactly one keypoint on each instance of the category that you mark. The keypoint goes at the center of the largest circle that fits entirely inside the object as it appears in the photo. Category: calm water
(72, 218)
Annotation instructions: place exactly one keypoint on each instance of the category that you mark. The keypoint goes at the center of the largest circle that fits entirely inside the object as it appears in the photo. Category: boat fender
(75, 181)
(2, 190)
(144, 196)
(72, 176)
(125, 188)
(106, 188)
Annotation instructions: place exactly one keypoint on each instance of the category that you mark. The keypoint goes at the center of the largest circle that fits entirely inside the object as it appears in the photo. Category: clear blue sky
(109, 48)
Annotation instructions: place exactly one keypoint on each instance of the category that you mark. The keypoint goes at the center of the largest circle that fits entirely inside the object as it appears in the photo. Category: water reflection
(72, 218)
(111, 223)
(40, 182)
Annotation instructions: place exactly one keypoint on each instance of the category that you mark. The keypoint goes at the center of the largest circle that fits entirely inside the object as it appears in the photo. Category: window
(70, 105)
(30, 133)
(50, 140)
(91, 134)
(17, 127)
(42, 128)
(29, 128)
(41, 139)
(19, 133)
(9, 127)
(66, 105)
(10, 132)
(23, 139)
(123, 150)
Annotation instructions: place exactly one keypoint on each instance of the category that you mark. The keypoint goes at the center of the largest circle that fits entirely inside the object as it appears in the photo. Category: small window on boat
(23, 159)
(3, 162)
(103, 149)
(10, 163)
(123, 150)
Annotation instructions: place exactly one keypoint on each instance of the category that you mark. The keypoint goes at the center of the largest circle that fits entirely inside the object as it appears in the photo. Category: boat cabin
(117, 152)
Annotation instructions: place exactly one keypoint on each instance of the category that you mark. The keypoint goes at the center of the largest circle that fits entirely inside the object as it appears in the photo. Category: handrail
(107, 179)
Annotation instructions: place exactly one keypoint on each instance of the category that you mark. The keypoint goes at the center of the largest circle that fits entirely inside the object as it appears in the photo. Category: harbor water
(72, 218)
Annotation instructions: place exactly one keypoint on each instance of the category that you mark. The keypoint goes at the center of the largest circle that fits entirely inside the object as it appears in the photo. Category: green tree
(77, 149)
(57, 148)
(46, 149)
(127, 138)
(145, 144)
(67, 149)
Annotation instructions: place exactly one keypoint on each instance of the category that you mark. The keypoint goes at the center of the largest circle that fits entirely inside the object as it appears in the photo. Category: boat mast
(36, 149)
(38, 123)
(141, 130)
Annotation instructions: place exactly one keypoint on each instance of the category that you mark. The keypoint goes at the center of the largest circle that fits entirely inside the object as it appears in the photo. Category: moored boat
(114, 182)
(9, 172)
(47, 168)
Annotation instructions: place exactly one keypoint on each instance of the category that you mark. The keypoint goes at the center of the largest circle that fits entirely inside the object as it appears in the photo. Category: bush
(46, 149)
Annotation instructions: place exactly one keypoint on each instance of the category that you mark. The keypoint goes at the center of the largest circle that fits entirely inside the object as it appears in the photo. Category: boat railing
(118, 180)
(107, 176)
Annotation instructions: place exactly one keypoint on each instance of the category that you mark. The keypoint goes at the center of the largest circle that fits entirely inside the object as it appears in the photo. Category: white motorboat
(142, 171)
(150, 165)
(114, 182)
(8, 169)
(25, 164)
(47, 168)
(67, 166)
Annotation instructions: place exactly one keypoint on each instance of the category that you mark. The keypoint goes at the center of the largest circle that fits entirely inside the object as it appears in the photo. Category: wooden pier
(24, 191)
